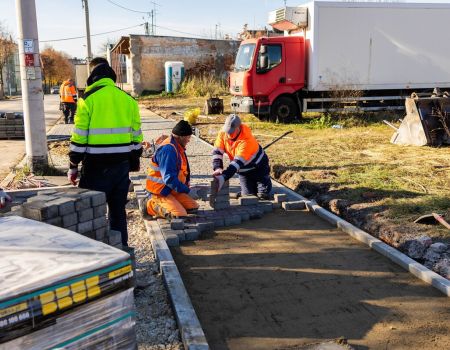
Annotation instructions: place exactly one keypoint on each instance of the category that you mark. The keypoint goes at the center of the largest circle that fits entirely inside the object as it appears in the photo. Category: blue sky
(65, 18)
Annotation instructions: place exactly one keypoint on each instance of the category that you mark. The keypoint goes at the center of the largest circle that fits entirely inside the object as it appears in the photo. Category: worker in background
(247, 157)
(169, 175)
(4, 198)
(68, 99)
(106, 139)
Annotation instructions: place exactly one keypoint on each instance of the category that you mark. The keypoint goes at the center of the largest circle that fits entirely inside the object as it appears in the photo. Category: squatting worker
(169, 176)
(68, 99)
(247, 158)
(107, 140)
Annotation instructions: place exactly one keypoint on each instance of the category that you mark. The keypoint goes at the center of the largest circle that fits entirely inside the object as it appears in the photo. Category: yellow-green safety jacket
(107, 126)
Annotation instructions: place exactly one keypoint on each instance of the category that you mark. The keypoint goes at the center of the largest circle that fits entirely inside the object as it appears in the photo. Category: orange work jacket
(173, 175)
(67, 92)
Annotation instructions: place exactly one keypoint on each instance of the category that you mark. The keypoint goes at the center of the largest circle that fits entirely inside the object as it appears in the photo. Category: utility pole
(32, 94)
(152, 14)
(88, 32)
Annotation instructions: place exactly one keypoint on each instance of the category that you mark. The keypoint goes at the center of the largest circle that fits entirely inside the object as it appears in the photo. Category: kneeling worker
(247, 158)
(169, 175)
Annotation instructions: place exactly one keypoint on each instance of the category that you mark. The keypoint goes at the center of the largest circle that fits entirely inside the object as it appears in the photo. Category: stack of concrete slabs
(61, 290)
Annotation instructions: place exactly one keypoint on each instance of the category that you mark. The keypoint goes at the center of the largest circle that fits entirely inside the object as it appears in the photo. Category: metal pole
(32, 94)
(88, 32)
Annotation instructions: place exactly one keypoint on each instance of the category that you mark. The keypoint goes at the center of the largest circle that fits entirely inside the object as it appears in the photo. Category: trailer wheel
(284, 110)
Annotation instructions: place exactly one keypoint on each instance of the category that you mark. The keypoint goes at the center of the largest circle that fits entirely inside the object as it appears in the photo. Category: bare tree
(7, 49)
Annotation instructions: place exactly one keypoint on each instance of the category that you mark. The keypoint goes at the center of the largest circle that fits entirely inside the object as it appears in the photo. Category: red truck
(330, 50)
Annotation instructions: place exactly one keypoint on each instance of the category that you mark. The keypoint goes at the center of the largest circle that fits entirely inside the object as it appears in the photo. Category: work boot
(143, 208)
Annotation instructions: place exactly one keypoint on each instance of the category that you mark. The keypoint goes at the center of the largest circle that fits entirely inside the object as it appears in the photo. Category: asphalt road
(12, 151)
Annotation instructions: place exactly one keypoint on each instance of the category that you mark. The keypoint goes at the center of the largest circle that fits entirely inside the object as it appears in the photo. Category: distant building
(139, 59)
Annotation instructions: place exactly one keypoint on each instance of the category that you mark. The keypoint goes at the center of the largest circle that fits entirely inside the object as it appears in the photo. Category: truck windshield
(244, 57)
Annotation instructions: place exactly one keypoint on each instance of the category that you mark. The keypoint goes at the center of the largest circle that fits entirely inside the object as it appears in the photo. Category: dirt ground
(270, 284)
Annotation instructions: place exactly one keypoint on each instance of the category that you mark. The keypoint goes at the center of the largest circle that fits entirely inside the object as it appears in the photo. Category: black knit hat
(183, 128)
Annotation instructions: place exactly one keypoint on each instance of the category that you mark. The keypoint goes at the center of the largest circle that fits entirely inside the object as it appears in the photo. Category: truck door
(270, 77)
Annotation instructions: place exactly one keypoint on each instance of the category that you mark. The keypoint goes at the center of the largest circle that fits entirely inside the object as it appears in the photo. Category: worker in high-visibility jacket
(107, 140)
(247, 157)
(68, 99)
(168, 177)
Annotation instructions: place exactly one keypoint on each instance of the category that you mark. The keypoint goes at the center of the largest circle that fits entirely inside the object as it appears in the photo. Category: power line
(97, 34)
(177, 31)
(126, 8)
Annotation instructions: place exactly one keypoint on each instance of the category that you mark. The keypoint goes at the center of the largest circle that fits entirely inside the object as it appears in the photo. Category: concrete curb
(191, 330)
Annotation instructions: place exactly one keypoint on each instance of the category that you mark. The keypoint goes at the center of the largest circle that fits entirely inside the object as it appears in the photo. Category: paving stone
(177, 224)
(191, 234)
(439, 247)
(40, 210)
(65, 205)
(180, 233)
(82, 203)
(96, 197)
(218, 221)
(89, 234)
(248, 200)
(276, 205)
(72, 228)
(280, 197)
(266, 207)
(100, 233)
(41, 197)
(69, 220)
(114, 237)
(47, 192)
(54, 221)
(85, 215)
(84, 227)
(244, 216)
(99, 223)
(295, 205)
(222, 198)
(232, 220)
(256, 214)
(171, 239)
(221, 205)
(99, 211)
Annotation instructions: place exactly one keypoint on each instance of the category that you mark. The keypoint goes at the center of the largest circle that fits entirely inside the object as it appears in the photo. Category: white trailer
(374, 46)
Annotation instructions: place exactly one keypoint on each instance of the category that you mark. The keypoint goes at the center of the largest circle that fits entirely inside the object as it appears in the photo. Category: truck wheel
(284, 110)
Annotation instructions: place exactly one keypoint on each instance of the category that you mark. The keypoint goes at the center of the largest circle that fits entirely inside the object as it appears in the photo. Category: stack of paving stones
(11, 126)
(79, 210)
(221, 199)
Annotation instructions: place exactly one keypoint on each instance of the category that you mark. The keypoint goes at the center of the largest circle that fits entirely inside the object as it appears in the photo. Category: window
(273, 53)
(244, 57)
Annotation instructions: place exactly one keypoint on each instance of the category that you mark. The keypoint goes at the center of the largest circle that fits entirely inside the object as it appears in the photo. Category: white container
(371, 46)
(174, 74)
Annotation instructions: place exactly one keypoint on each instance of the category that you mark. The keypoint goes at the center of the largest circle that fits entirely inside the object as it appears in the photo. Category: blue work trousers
(257, 181)
(114, 180)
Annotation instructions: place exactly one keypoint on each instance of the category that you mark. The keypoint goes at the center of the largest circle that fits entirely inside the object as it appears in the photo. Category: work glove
(218, 172)
(219, 181)
(72, 175)
(4, 197)
(198, 192)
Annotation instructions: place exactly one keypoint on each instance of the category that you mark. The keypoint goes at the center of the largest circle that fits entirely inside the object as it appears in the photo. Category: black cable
(126, 8)
(84, 36)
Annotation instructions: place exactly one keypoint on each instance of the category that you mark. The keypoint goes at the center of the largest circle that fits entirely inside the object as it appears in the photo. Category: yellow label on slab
(77, 287)
(93, 291)
(62, 292)
(116, 273)
(64, 302)
(49, 308)
(13, 309)
(78, 297)
(92, 281)
(47, 297)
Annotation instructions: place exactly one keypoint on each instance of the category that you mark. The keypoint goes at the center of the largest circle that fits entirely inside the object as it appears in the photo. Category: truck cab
(268, 76)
